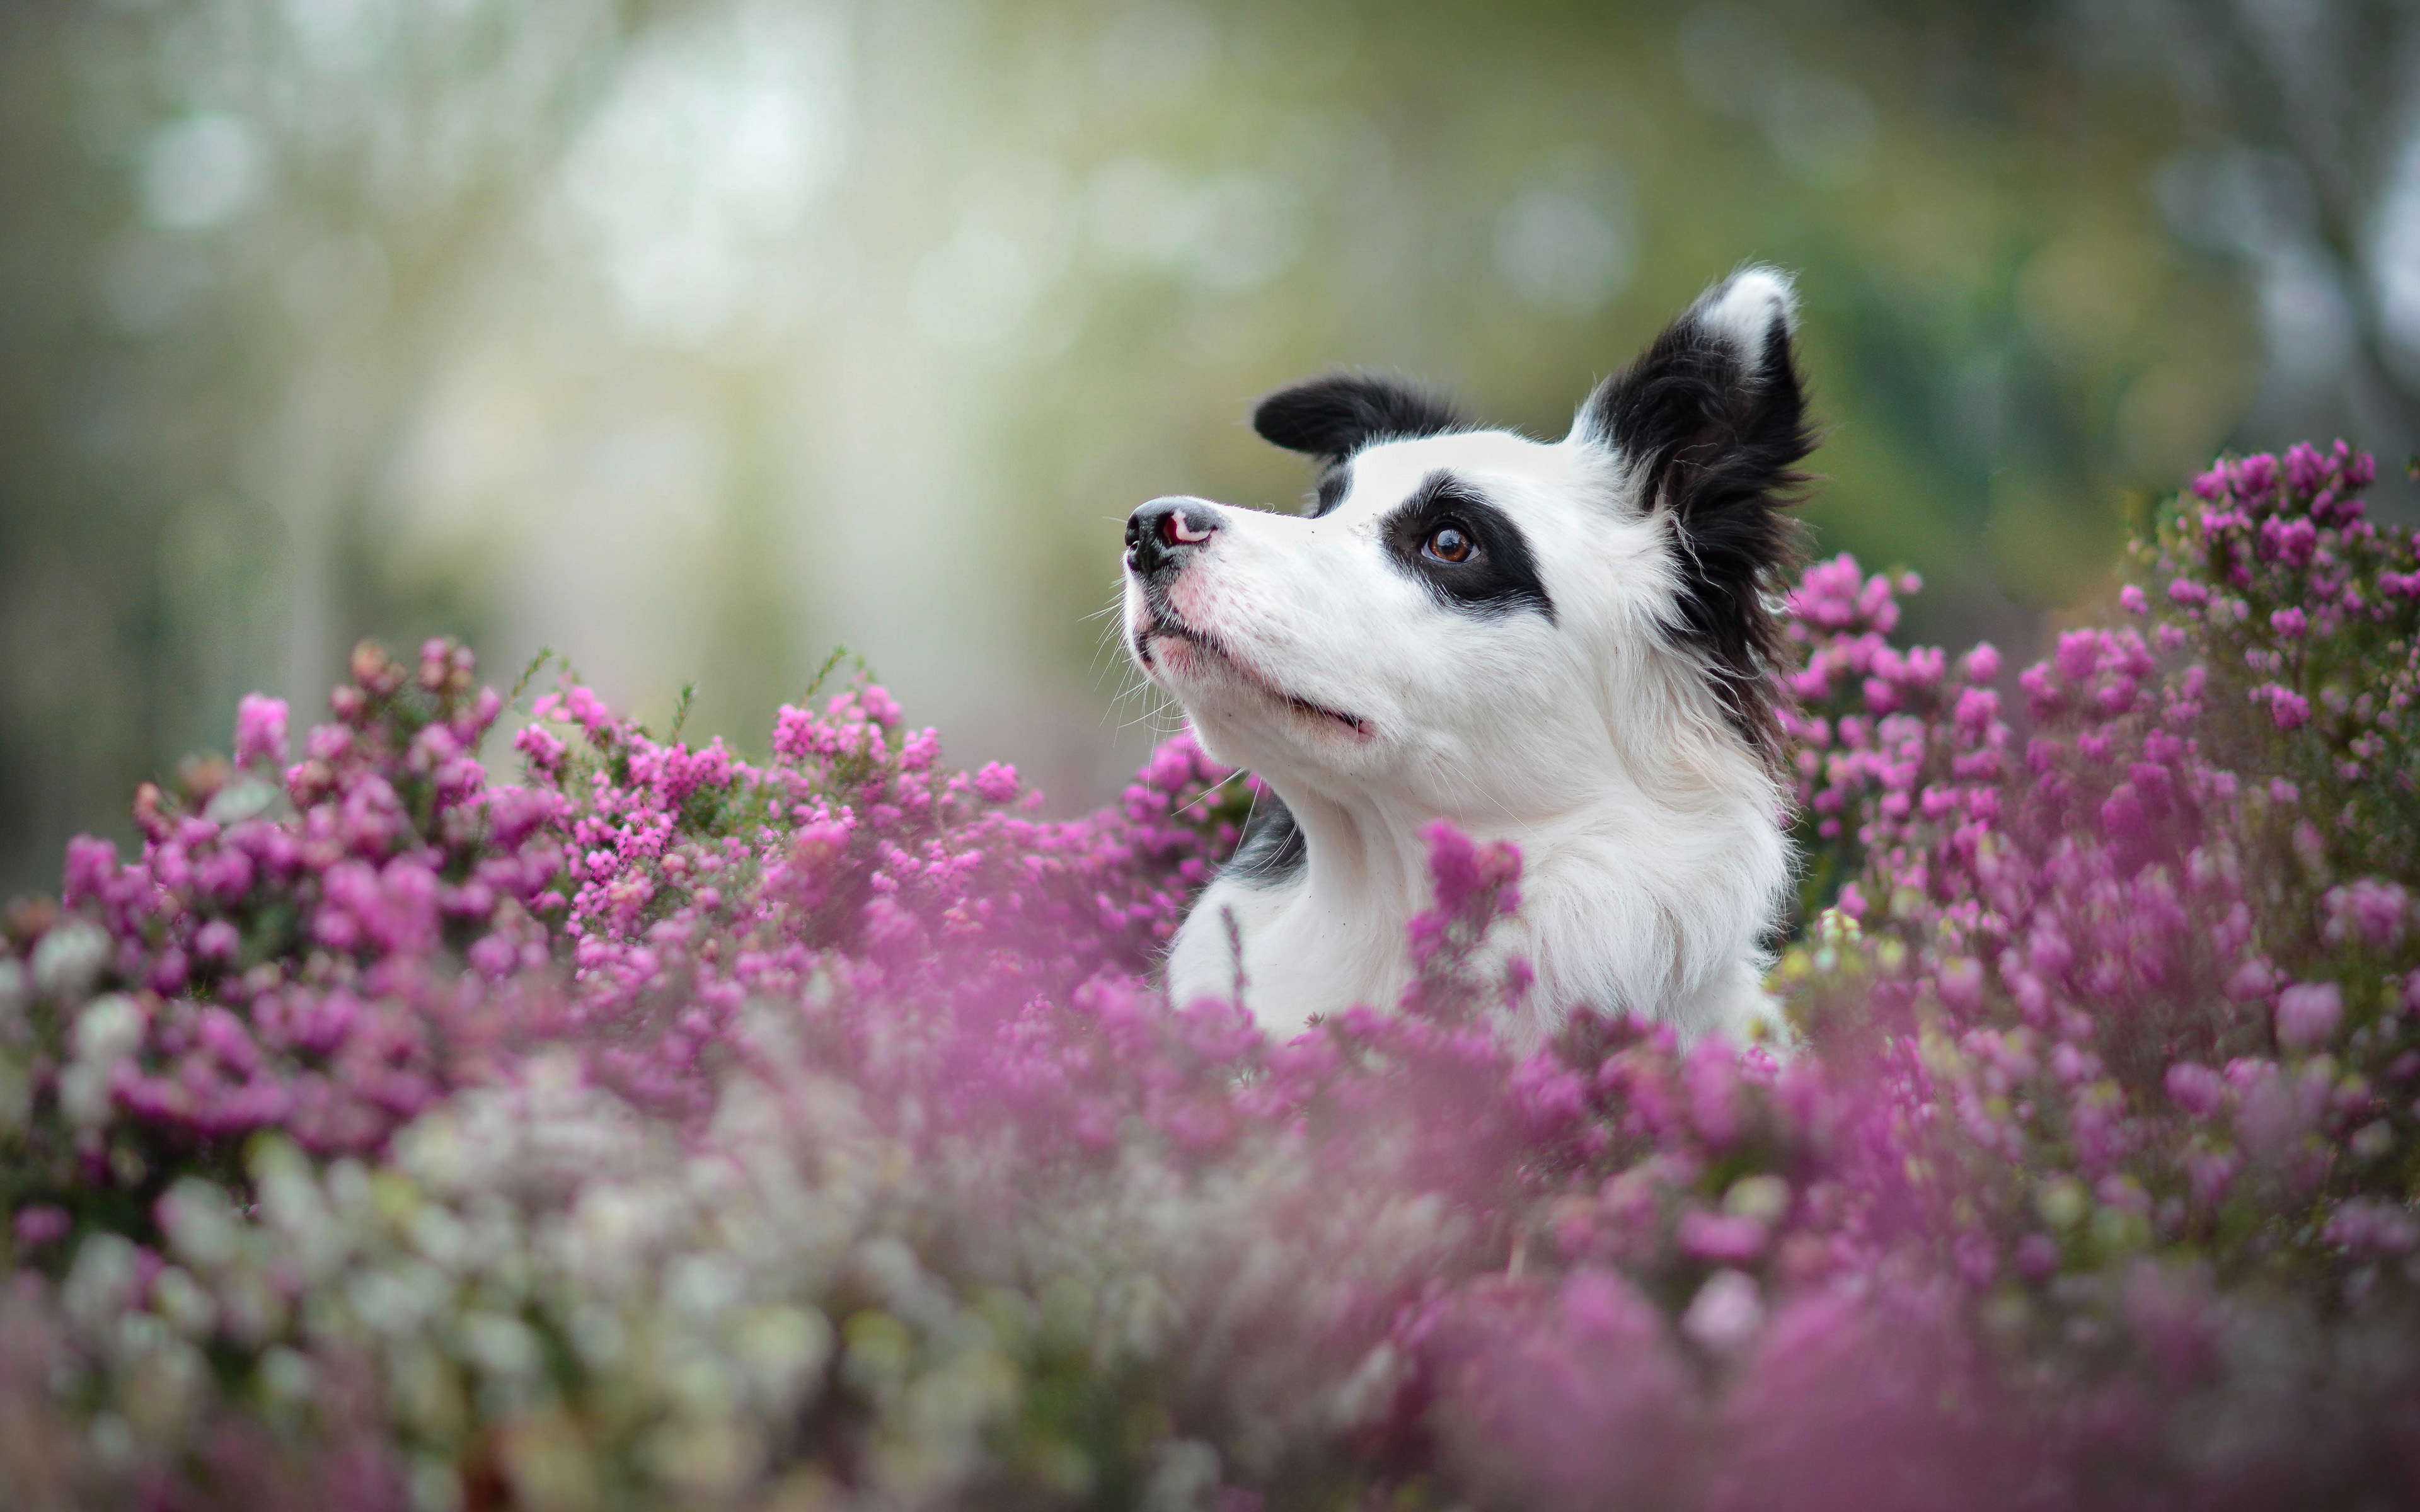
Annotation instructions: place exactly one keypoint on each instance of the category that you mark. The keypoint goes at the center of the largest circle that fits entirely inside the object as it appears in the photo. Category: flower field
(664, 1129)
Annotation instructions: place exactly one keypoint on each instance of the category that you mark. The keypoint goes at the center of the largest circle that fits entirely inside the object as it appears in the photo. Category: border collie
(1568, 644)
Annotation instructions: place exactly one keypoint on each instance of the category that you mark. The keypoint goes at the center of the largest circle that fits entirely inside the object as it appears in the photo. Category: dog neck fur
(1590, 681)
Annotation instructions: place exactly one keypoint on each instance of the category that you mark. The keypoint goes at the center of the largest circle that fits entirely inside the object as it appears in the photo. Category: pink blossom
(2369, 909)
(2307, 1014)
(1721, 1239)
(2196, 1088)
(34, 1226)
(260, 730)
(2289, 709)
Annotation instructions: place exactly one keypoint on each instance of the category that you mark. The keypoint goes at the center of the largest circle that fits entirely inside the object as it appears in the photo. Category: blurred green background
(691, 338)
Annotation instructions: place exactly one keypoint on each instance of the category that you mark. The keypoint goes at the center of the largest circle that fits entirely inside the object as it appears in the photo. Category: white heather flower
(783, 1352)
(69, 960)
(107, 1031)
(499, 1345)
(178, 1298)
(100, 1284)
(1727, 1312)
(108, 1028)
(201, 1225)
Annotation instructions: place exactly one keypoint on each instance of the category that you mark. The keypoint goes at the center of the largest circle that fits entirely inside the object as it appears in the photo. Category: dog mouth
(1164, 624)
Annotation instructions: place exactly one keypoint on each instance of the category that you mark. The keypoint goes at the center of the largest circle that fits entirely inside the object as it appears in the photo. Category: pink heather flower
(2291, 542)
(261, 730)
(2307, 1014)
(2290, 709)
(1876, 605)
(2043, 697)
(2130, 599)
(2250, 981)
(328, 743)
(1721, 1238)
(2079, 652)
(581, 704)
(541, 749)
(1825, 596)
(970, 979)
(2210, 1173)
(1461, 869)
(2306, 468)
(796, 733)
(2365, 1226)
(1978, 709)
(91, 867)
(1959, 984)
(36, 1226)
(1711, 1078)
(2196, 1088)
(2289, 622)
(2369, 909)
(217, 941)
(2256, 476)
(997, 782)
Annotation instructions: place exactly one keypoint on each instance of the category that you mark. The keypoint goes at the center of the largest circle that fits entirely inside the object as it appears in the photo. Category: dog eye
(1447, 543)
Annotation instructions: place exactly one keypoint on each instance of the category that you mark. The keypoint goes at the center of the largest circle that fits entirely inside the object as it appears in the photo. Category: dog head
(1475, 622)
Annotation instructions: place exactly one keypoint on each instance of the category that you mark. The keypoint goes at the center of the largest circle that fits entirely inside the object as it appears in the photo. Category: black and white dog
(1568, 644)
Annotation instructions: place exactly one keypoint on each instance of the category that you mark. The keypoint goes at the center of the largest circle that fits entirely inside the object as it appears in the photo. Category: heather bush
(666, 1128)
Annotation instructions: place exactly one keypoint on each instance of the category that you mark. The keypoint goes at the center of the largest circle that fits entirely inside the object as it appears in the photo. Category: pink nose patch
(1180, 531)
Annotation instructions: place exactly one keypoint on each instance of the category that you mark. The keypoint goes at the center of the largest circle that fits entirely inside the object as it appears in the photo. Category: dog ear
(1333, 417)
(1710, 422)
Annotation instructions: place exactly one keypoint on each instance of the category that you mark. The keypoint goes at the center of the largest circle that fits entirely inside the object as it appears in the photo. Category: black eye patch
(1496, 574)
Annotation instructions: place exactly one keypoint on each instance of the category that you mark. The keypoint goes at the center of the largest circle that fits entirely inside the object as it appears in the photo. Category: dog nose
(1162, 534)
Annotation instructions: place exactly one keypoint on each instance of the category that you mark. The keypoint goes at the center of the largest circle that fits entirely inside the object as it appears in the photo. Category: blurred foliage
(691, 336)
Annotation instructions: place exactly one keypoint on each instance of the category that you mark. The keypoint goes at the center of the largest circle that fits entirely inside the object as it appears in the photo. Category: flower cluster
(675, 1128)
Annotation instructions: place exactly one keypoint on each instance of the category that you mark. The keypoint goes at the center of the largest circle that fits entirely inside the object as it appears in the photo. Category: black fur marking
(1339, 414)
(1272, 852)
(1333, 485)
(1715, 434)
(1500, 577)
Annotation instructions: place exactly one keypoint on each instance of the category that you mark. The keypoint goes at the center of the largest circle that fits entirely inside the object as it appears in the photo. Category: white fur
(1655, 863)
(1746, 307)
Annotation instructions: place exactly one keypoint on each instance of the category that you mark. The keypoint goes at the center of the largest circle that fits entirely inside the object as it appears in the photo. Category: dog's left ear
(1336, 415)
(1709, 422)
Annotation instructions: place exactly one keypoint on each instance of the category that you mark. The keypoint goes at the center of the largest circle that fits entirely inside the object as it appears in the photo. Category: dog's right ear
(1333, 417)
(1711, 423)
